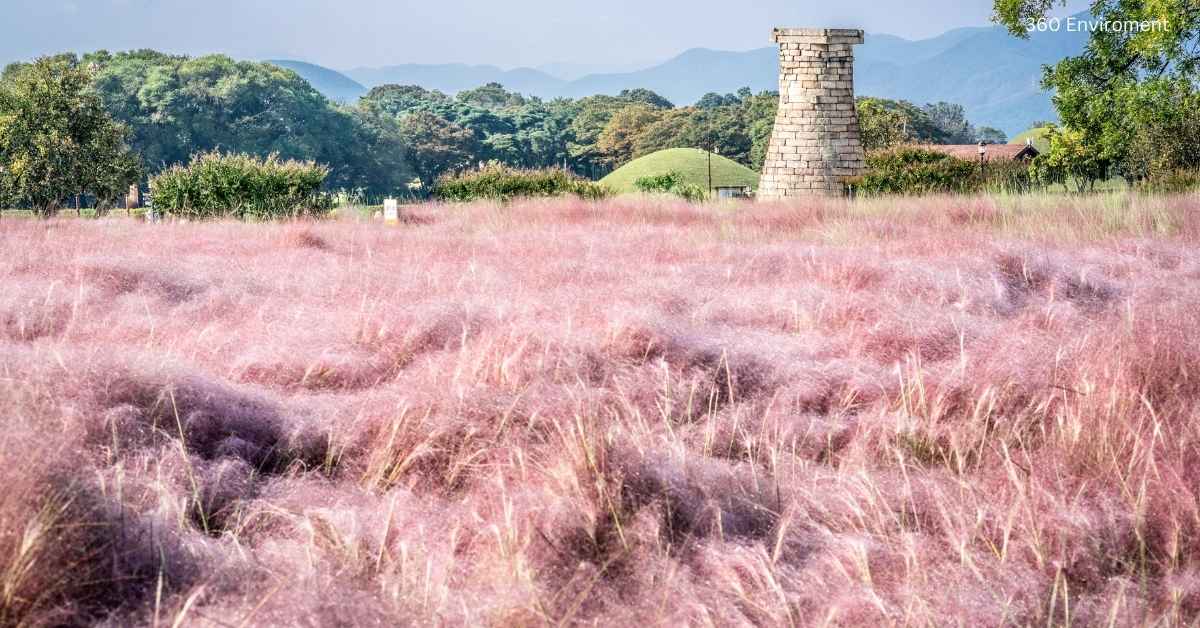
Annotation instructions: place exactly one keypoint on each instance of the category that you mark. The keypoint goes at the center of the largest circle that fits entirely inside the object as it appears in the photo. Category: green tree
(721, 129)
(178, 106)
(668, 131)
(518, 131)
(881, 127)
(437, 146)
(918, 125)
(645, 97)
(398, 100)
(491, 96)
(542, 133)
(1127, 80)
(591, 115)
(619, 138)
(711, 100)
(56, 138)
(990, 135)
(951, 122)
(760, 122)
(731, 128)
(376, 156)
(1070, 161)
(1167, 139)
(588, 117)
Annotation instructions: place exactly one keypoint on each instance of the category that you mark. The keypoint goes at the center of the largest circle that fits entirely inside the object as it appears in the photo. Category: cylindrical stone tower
(816, 142)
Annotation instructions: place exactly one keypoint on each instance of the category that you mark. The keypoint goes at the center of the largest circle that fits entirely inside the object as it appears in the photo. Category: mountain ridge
(333, 84)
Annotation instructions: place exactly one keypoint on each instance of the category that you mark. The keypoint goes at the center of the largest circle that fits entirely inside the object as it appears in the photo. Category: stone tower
(816, 142)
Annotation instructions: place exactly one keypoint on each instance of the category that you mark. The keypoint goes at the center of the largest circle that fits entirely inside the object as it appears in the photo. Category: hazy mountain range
(334, 84)
(992, 74)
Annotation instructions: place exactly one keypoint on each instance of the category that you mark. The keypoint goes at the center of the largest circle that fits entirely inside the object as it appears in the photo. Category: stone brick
(816, 141)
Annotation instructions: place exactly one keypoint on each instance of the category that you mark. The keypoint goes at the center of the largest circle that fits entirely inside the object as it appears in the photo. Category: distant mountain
(572, 71)
(993, 75)
(334, 85)
(684, 79)
(905, 52)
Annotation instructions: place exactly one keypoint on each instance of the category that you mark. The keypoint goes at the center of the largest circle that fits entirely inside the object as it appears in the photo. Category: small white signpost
(391, 210)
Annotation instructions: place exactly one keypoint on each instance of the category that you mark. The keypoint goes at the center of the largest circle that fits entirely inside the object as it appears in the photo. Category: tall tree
(668, 131)
(760, 122)
(591, 116)
(1140, 69)
(398, 100)
(619, 138)
(178, 106)
(951, 122)
(645, 97)
(56, 138)
(437, 145)
(881, 127)
(991, 135)
(491, 96)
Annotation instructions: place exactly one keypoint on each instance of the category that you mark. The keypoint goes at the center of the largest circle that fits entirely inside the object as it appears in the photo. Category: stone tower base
(816, 143)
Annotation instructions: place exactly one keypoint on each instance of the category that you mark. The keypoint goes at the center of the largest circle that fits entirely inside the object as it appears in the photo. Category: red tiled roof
(970, 152)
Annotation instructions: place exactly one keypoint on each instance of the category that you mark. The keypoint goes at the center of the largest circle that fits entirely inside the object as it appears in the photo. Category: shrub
(497, 181)
(916, 171)
(1176, 182)
(671, 183)
(658, 183)
(233, 185)
(1008, 176)
(690, 192)
(1071, 159)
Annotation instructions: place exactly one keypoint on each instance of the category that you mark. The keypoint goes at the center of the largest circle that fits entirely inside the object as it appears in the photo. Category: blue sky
(352, 33)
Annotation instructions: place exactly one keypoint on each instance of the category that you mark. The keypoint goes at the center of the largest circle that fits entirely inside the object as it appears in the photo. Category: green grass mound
(1038, 135)
(692, 163)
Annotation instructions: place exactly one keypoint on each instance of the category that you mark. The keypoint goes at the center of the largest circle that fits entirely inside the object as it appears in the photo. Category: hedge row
(1176, 182)
(499, 182)
(916, 171)
(216, 185)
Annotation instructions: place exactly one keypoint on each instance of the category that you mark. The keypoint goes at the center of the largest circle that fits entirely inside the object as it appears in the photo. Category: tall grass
(974, 411)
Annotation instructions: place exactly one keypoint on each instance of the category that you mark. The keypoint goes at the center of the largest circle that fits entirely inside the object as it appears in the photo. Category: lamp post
(710, 154)
(982, 157)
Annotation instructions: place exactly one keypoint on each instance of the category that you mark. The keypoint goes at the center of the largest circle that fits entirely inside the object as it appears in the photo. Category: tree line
(593, 135)
(129, 115)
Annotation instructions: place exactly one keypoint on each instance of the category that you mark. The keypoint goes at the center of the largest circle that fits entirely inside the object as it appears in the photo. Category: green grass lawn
(692, 163)
(71, 213)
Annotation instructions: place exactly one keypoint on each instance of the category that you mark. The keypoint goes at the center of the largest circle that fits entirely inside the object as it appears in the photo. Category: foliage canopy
(1130, 99)
(56, 138)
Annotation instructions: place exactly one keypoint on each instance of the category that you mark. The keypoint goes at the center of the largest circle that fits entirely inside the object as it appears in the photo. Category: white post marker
(391, 210)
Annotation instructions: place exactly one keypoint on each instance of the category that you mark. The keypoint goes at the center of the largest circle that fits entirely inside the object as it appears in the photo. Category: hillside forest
(399, 139)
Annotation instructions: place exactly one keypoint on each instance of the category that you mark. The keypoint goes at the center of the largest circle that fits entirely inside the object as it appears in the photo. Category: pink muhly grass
(928, 411)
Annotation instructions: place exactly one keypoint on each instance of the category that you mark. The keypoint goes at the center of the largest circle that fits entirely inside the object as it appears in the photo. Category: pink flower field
(923, 412)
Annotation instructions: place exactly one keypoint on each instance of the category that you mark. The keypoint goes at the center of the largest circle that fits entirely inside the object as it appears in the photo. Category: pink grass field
(925, 412)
